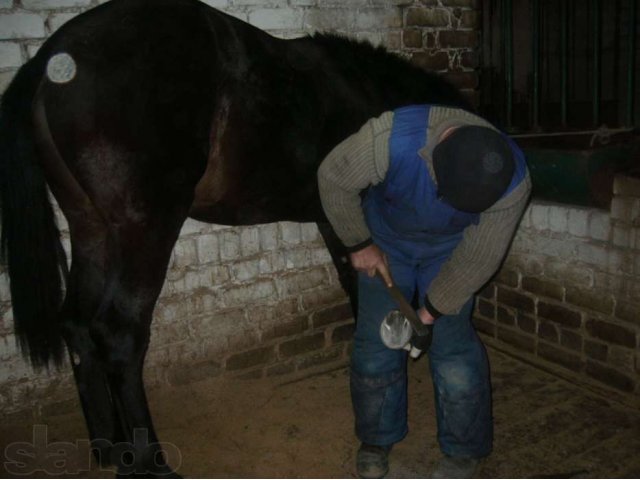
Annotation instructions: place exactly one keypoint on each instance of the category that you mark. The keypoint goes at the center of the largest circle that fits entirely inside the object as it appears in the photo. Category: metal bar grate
(564, 61)
(631, 62)
(560, 65)
(535, 54)
(597, 71)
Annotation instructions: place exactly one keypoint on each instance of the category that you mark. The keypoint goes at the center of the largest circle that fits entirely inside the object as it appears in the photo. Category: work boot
(455, 467)
(372, 461)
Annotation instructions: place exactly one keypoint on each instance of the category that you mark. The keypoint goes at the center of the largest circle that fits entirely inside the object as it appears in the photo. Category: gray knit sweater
(362, 160)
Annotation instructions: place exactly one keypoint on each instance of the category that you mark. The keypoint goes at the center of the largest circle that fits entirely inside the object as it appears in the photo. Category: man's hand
(425, 316)
(371, 260)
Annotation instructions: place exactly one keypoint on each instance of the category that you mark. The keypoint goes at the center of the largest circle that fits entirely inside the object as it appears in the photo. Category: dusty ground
(544, 428)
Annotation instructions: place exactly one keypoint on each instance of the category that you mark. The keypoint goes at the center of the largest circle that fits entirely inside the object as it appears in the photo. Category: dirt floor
(276, 428)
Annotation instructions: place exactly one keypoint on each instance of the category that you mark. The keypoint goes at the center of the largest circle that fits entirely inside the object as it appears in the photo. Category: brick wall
(253, 301)
(568, 295)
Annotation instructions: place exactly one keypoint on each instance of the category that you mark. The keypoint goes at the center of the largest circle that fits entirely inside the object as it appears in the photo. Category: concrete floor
(284, 428)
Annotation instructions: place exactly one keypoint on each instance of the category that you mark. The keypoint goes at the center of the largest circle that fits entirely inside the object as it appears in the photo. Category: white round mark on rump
(61, 68)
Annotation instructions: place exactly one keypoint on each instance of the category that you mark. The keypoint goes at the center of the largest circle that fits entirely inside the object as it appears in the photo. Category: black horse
(137, 115)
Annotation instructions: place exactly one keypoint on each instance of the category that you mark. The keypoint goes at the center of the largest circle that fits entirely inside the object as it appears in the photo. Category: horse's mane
(361, 58)
(346, 47)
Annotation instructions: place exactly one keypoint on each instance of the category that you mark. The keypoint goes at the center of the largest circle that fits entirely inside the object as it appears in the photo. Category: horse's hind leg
(117, 273)
(84, 293)
(139, 255)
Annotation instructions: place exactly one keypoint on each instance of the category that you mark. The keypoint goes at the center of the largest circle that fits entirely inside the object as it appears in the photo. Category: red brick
(294, 326)
(543, 288)
(250, 358)
(336, 313)
(590, 299)
(235, 296)
(527, 323)
(488, 292)
(507, 277)
(343, 333)
(280, 369)
(242, 340)
(626, 186)
(394, 41)
(610, 377)
(284, 308)
(524, 342)
(431, 40)
(515, 300)
(628, 311)
(548, 331)
(431, 61)
(560, 356)
(486, 309)
(458, 39)
(469, 59)
(505, 316)
(470, 19)
(412, 38)
(323, 297)
(611, 333)
(622, 359)
(559, 314)
(302, 345)
(571, 340)
(485, 326)
(297, 282)
(319, 358)
(595, 350)
(460, 3)
(427, 17)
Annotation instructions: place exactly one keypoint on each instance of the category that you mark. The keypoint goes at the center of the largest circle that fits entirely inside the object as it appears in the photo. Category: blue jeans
(459, 369)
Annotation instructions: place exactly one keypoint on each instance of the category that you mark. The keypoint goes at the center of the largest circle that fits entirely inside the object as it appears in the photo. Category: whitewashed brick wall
(568, 295)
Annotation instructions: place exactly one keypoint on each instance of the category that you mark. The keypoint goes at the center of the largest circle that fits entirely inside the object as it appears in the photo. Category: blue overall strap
(408, 136)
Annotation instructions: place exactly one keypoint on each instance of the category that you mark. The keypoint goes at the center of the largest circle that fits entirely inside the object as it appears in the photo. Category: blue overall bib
(418, 233)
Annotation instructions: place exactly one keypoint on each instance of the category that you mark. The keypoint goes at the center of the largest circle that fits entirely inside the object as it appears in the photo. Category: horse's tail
(30, 244)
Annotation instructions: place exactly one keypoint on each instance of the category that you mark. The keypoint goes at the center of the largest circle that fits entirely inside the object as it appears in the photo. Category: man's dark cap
(473, 168)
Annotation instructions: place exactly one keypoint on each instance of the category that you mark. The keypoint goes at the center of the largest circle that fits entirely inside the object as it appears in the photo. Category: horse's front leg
(346, 273)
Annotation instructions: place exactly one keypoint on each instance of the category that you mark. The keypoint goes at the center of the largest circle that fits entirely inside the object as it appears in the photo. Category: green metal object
(564, 61)
(578, 176)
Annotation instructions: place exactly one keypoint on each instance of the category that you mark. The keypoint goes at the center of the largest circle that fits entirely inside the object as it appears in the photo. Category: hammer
(422, 334)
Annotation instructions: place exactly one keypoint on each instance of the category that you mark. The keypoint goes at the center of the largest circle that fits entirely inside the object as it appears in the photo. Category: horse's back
(171, 89)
